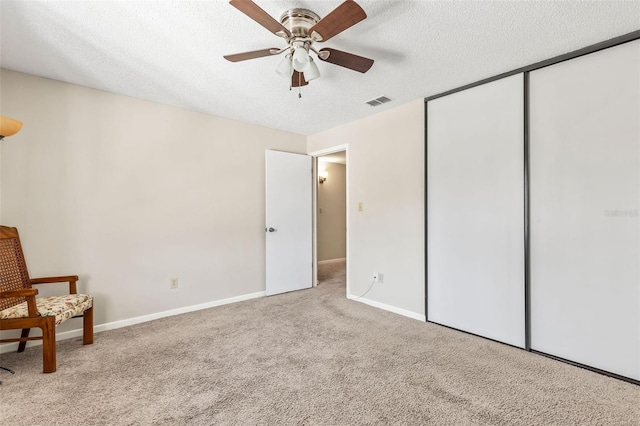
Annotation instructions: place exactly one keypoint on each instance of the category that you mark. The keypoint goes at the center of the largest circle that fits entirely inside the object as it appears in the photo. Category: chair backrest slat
(13, 268)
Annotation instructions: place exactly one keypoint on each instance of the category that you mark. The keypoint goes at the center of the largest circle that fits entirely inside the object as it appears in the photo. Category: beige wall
(386, 174)
(332, 212)
(128, 194)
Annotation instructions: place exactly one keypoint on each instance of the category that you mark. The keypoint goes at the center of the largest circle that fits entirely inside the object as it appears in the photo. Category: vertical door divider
(527, 246)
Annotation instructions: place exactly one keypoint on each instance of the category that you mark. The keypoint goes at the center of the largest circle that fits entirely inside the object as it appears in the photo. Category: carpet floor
(309, 357)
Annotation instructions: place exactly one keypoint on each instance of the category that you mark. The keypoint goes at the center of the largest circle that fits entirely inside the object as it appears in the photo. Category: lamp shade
(300, 59)
(9, 126)
(285, 68)
(311, 72)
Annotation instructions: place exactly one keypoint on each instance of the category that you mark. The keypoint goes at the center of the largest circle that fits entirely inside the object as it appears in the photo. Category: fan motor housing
(298, 21)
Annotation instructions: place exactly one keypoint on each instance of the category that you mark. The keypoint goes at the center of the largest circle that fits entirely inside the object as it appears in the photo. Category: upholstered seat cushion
(62, 307)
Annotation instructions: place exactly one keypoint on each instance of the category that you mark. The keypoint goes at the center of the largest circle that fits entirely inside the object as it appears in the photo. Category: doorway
(331, 217)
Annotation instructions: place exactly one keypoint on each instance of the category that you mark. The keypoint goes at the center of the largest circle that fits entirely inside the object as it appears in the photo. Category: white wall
(386, 174)
(332, 212)
(128, 194)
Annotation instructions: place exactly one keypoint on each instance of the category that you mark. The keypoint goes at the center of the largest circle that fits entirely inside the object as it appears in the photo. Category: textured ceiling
(171, 51)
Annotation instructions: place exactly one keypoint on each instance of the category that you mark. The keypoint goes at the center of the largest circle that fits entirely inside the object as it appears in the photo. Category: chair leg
(48, 345)
(87, 327)
(23, 344)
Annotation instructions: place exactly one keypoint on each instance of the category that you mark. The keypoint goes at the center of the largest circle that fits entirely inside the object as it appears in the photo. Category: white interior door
(288, 222)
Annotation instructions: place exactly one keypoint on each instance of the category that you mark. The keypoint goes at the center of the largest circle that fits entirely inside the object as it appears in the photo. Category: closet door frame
(635, 35)
(475, 178)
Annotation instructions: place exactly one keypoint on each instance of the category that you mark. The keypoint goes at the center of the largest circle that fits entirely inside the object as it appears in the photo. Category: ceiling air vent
(378, 101)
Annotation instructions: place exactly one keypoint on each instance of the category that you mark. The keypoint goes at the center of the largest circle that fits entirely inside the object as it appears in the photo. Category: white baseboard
(389, 308)
(9, 347)
(324, 262)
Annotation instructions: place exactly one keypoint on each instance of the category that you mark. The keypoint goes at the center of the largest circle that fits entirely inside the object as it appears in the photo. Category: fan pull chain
(299, 86)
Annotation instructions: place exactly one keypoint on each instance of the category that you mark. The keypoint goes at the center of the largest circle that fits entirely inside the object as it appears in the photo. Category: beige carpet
(308, 357)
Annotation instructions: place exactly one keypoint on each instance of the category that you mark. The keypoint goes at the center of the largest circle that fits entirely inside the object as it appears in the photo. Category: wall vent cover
(378, 101)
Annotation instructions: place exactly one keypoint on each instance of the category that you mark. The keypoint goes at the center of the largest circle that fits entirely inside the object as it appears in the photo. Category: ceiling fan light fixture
(300, 59)
(311, 72)
(285, 68)
(301, 28)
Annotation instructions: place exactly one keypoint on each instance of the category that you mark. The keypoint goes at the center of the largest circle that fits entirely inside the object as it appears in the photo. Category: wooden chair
(21, 310)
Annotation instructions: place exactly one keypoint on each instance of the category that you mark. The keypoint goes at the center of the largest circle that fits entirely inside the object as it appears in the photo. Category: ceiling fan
(301, 28)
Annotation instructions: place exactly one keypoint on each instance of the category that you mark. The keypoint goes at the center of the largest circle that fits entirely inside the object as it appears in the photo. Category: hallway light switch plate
(360, 206)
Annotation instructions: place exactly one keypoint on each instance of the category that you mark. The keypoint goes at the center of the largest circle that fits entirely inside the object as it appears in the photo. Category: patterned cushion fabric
(62, 307)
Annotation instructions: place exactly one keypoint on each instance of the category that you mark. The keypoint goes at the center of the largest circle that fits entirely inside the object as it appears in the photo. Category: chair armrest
(71, 279)
(29, 293)
(18, 293)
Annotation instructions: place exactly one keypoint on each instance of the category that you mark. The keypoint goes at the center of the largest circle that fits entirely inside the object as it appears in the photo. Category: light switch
(360, 206)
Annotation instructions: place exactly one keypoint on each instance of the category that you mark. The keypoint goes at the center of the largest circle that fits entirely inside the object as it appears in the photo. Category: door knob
(271, 230)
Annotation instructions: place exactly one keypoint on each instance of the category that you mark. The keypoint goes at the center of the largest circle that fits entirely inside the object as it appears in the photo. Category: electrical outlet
(378, 277)
(174, 283)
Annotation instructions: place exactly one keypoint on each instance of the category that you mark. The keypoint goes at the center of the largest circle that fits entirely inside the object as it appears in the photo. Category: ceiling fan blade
(347, 60)
(254, 12)
(237, 57)
(297, 79)
(339, 19)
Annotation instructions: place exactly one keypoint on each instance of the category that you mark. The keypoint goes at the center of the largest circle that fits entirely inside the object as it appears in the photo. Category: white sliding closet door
(585, 189)
(475, 210)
